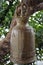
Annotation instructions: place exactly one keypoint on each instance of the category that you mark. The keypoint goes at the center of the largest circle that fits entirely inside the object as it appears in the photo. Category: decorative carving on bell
(22, 37)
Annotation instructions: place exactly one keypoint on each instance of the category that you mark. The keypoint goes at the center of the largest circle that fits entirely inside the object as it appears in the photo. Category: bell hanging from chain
(22, 38)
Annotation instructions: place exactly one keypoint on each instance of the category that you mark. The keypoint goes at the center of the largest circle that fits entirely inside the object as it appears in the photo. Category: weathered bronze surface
(22, 44)
(22, 38)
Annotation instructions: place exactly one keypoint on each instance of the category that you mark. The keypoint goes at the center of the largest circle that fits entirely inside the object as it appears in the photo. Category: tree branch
(40, 6)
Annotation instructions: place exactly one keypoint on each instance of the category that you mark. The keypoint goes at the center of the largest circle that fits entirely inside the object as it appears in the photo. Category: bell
(22, 39)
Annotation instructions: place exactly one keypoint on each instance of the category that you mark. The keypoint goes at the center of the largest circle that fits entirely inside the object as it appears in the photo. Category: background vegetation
(7, 8)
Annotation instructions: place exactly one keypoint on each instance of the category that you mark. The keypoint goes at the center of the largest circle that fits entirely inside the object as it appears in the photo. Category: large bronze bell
(22, 38)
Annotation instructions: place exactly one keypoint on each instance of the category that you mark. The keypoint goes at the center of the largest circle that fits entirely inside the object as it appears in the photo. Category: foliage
(6, 14)
(36, 20)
